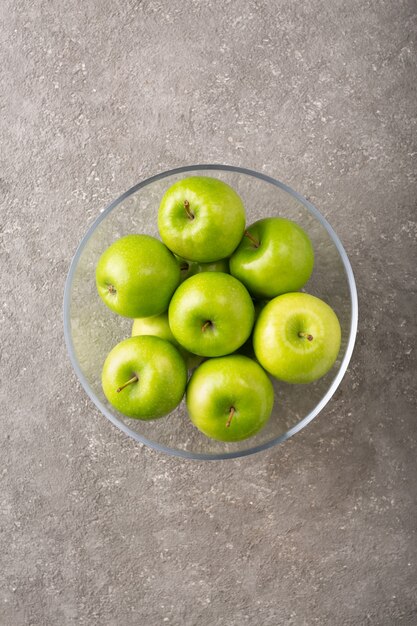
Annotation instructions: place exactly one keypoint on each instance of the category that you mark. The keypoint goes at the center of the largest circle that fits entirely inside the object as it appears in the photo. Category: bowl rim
(334, 384)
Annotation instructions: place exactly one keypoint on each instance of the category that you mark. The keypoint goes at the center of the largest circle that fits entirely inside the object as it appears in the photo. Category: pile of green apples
(217, 312)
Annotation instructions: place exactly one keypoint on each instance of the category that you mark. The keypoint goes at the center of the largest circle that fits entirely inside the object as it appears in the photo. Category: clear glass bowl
(91, 329)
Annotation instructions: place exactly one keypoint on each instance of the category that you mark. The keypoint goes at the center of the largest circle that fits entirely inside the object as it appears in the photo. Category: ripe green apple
(190, 268)
(247, 348)
(144, 377)
(211, 314)
(229, 398)
(137, 275)
(201, 219)
(297, 338)
(275, 256)
(158, 326)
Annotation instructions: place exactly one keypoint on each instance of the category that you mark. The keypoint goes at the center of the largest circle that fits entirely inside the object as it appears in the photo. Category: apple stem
(134, 379)
(190, 214)
(111, 289)
(229, 419)
(306, 335)
(253, 240)
(206, 325)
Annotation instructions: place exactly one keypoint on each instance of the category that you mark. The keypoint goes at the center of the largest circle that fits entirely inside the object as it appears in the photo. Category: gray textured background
(96, 529)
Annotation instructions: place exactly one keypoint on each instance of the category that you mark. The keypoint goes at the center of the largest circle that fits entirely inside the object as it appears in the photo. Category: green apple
(211, 314)
(229, 398)
(247, 348)
(190, 268)
(274, 257)
(144, 377)
(297, 338)
(137, 275)
(201, 219)
(158, 326)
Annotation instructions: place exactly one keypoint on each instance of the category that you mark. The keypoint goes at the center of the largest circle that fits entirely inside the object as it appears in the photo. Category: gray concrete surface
(95, 529)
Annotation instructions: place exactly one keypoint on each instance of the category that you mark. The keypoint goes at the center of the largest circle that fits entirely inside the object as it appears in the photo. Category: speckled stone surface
(95, 529)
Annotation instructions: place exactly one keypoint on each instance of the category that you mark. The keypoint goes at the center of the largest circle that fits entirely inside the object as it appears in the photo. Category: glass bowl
(91, 329)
